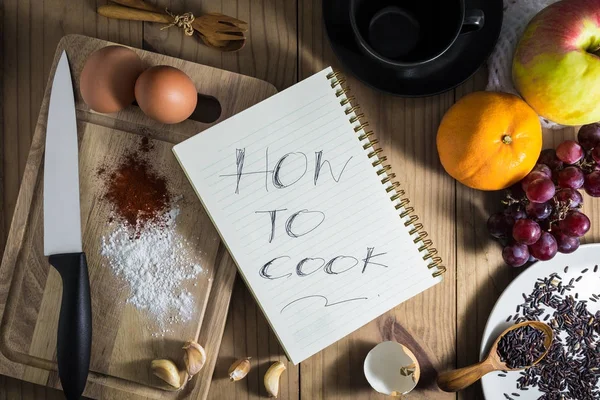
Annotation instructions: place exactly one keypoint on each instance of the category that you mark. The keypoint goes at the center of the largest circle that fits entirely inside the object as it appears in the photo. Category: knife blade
(62, 234)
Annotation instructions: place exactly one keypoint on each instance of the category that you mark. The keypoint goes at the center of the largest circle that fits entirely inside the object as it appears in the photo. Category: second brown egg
(166, 94)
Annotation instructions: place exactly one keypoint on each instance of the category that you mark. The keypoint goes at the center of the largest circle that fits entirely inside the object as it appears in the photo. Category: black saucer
(449, 70)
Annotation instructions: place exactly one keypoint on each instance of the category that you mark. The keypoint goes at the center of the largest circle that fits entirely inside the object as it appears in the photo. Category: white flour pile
(155, 263)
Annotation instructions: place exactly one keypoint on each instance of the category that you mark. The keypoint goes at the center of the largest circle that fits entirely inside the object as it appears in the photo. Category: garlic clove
(272, 378)
(167, 371)
(183, 378)
(194, 357)
(239, 369)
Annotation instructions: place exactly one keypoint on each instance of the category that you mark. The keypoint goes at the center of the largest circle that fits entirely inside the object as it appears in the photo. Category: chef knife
(62, 234)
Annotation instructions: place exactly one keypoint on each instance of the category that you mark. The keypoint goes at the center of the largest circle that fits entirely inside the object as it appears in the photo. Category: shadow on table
(356, 381)
(477, 312)
(473, 210)
(392, 330)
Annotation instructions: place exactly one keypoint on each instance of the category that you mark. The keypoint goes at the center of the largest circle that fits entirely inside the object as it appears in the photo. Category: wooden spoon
(216, 30)
(218, 22)
(459, 379)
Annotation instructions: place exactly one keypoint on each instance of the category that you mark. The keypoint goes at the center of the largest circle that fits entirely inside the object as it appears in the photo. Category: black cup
(407, 33)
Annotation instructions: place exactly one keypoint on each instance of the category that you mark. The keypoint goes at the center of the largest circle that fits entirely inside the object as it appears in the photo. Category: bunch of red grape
(542, 214)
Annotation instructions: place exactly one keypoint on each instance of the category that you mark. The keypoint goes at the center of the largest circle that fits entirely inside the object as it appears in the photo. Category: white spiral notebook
(311, 214)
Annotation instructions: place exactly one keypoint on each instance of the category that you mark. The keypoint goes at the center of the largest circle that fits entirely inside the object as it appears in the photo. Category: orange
(489, 140)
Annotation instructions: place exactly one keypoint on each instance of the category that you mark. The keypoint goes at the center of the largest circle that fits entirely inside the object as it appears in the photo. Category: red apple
(556, 66)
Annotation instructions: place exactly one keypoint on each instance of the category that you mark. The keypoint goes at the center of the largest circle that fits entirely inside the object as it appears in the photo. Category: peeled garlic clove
(239, 369)
(167, 371)
(194, 357)
(272, 378)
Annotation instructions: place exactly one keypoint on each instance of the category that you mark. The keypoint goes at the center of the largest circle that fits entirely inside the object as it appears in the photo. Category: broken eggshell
(392, 369)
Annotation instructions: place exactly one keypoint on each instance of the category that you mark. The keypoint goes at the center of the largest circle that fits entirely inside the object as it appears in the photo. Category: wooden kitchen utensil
(209, 22)
(459, 379)
(218, 31)
(125, 338)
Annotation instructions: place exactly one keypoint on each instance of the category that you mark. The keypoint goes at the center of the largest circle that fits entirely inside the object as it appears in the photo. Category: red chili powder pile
(138, 194)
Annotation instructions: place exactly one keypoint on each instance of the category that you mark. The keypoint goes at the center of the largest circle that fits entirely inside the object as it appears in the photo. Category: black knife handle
(74, 341)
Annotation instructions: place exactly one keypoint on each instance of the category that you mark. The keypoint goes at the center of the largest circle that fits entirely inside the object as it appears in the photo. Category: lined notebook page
(305, 216)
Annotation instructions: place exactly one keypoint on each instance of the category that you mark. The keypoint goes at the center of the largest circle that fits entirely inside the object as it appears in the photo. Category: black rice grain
(521, 347)
(571, 370)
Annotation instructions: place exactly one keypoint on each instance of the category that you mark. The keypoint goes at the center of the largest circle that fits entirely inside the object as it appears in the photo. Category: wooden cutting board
(125, 339)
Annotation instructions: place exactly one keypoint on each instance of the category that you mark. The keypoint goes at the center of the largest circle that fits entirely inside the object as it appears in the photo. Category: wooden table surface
(287, 42)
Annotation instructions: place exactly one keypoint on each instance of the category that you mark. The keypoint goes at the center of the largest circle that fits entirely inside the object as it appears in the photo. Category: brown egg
(166, 94)
(108, 78)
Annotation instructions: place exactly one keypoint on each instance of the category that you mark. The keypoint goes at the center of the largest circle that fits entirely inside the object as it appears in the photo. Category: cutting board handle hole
(208, 109)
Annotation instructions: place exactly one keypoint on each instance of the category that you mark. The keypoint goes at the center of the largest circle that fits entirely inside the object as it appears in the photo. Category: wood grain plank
(14, 389)
(2, 69)
(270, 50)
(426, 324)
(10, 128)
(30, 32)
(269, 54)
(481, 273)
(25, 119)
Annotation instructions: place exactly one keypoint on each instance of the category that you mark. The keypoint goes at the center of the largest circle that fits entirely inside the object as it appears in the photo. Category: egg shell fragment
(392, 369)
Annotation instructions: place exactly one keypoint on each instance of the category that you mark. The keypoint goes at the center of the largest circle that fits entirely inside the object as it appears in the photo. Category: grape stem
(509, 200)
(586, 164)
(562, 208)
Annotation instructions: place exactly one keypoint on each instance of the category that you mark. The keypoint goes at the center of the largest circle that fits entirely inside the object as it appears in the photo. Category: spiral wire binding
(337, 81)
